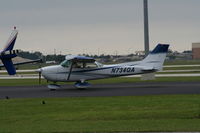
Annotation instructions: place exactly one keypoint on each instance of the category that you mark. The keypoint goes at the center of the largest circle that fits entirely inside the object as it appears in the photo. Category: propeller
(39, 71)
(40, 77)
(39, 74)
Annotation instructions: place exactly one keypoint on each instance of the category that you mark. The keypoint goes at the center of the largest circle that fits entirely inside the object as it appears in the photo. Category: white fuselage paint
(59, 73)
(152, 63)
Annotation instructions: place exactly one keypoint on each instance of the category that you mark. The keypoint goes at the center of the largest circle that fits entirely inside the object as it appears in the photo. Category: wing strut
(70, 70)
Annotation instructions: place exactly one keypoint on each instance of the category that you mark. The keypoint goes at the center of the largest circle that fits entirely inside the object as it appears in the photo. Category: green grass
(19, 73)
(35, 82)
(21, 82)
(101, 114)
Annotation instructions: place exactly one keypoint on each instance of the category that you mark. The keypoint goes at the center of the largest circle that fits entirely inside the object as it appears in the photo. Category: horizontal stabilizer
(10, 52)
(147, 68)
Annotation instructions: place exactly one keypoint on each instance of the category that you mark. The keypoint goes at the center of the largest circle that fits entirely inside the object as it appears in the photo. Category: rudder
(156, 57)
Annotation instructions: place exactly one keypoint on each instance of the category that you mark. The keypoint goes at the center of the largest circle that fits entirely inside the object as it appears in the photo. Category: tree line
(59, 57)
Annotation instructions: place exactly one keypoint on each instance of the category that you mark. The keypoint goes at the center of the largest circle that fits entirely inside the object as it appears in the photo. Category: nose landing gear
(53, 87)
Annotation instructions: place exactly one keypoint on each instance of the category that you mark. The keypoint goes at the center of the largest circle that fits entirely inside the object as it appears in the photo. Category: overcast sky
(98, 26)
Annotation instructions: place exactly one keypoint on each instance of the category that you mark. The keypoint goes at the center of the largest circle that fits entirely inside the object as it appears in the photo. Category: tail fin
(9, 66)
(156, 58)
(11, 41)
(8, 53)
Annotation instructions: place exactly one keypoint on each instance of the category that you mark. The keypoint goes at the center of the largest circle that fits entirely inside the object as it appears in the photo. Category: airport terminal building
(196, 50)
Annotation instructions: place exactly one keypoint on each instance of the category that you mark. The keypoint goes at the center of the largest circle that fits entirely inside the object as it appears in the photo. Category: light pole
(146, 27)
(149, 76)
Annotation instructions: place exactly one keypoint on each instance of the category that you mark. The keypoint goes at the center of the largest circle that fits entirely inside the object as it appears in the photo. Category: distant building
(196, 50)
(139, 53)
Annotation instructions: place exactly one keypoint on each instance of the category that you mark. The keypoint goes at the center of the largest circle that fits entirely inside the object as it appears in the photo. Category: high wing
(147, 68)
(76, 58)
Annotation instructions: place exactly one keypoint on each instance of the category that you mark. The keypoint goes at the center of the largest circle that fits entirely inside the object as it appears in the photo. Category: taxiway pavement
(122, 89)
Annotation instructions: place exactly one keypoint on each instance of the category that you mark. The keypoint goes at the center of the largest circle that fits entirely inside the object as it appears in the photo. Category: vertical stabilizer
(11, 40)
(156, 57)
(8, 53)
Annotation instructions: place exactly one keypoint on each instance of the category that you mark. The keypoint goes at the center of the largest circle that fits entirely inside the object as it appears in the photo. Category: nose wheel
(53, 87)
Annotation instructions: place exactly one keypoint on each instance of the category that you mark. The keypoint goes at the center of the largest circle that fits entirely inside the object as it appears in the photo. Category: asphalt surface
(122, 89)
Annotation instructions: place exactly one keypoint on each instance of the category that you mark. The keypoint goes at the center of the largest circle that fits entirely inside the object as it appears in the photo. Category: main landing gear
(82, 85)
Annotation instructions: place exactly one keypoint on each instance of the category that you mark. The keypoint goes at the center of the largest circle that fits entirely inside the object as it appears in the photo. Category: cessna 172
(81, 69)
(8, 53)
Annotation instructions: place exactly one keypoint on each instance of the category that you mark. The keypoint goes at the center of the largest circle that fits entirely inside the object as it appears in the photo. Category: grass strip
(101, 114)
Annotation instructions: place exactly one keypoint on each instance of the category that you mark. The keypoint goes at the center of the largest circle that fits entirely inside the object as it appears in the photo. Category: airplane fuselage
(81, 68)
(59, 73)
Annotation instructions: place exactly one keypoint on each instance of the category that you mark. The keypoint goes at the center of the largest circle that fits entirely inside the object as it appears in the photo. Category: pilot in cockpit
(76, 65)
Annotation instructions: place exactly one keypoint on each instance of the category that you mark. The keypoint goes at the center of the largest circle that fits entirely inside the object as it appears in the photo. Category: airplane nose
(44, 72)
(39, 70)
(49, 72)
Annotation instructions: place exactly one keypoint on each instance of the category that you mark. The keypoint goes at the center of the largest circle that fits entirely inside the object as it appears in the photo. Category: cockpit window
(90, 65)
(82, 65)
(66, 63)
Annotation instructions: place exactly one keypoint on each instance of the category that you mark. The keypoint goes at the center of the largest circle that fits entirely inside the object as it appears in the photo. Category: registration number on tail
(122, 70)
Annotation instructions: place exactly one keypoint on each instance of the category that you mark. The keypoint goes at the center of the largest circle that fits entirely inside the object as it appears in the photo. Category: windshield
(65, 63)
(98, 64)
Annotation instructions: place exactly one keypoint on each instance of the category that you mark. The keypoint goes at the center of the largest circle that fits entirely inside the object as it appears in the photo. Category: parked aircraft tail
(154, 61)
(8, 53)
(11, 40)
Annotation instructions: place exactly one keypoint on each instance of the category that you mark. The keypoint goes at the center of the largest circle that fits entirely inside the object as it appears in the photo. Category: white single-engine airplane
(81, 69)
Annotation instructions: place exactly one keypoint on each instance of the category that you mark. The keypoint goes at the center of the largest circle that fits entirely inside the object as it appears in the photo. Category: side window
(78, 65)
(90, 65)
(67, 63)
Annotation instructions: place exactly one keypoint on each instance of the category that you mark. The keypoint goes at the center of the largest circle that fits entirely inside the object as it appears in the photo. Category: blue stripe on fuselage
(96, 69)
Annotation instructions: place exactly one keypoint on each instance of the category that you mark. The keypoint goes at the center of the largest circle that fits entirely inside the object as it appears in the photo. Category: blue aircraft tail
(160, 48)
(156, 58)
(8, 53)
